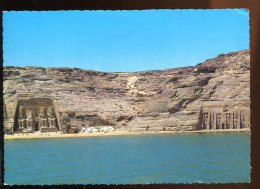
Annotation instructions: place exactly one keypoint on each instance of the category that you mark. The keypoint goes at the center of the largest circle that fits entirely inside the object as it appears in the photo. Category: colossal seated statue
(22, 118)
(29, 119)
(43, 118)
(51, 117)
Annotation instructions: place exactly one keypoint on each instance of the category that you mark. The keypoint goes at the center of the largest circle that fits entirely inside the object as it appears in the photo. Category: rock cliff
(167, 100)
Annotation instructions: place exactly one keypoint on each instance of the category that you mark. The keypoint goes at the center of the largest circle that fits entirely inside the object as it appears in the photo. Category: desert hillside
(167, 100)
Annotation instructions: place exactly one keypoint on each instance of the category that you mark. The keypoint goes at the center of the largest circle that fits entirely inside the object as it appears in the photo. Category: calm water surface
(182, 158)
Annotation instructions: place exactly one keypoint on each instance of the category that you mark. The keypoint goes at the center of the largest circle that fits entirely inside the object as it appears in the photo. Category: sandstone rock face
(169, 100)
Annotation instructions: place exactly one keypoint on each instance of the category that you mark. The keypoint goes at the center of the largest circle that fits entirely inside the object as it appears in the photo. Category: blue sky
(121, 41)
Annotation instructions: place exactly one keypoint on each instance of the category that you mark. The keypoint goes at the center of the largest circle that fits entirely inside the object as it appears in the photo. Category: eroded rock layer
(170, 100)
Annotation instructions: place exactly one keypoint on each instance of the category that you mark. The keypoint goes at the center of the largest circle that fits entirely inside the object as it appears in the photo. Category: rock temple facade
(32, 114)
(214, 119)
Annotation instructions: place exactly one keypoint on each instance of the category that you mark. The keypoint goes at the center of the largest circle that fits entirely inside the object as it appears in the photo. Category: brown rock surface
(150, 100)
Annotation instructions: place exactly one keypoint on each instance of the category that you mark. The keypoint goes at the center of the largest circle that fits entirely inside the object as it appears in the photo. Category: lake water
(179, 158)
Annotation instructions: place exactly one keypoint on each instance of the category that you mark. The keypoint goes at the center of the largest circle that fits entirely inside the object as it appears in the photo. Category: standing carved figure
(212, 121)
(235, 125)
(22, 118)
(242, 117)
(43, 118)
(228, 121)
(29, 119)
(218, 121)
(51, 117)
(205, 121)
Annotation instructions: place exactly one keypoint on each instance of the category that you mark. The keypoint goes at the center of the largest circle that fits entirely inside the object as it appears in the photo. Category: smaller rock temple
(229, 119)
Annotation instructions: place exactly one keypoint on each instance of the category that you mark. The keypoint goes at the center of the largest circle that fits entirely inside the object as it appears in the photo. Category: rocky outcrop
(168, 100)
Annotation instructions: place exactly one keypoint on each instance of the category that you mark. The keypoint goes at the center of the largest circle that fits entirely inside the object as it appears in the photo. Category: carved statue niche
(218, 121)
(22, 118)
(228, 120)
(51, 117)
(43, 118)
(29, 119)
(212, 126)
(205, 121)
(235, 120)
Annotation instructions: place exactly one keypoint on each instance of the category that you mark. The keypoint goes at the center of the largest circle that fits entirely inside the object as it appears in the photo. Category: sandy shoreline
(113, 133)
